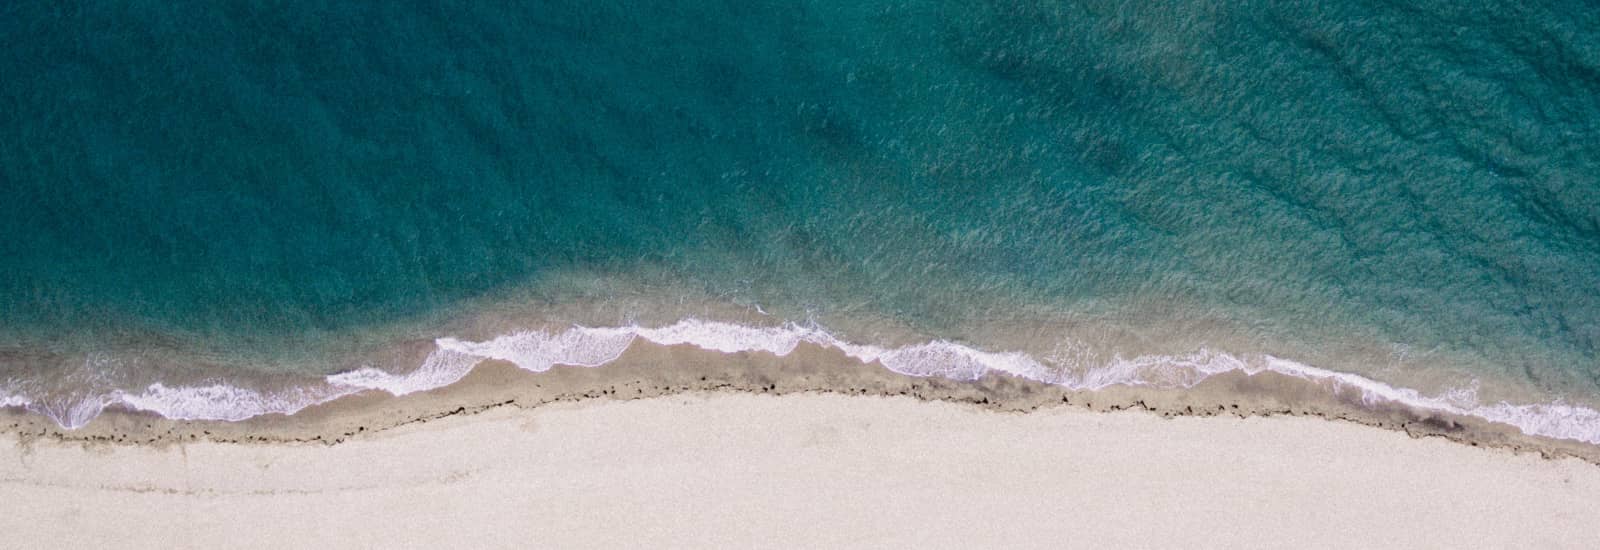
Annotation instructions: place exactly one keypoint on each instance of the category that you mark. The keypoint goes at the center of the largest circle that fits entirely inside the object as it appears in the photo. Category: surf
(537, 351)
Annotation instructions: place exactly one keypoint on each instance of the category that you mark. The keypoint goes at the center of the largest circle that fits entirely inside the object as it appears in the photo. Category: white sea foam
(731, 338)
(441, 368)
(9, 397)
(71, 411)
(538, 351)
(582, 346)
(224, 402)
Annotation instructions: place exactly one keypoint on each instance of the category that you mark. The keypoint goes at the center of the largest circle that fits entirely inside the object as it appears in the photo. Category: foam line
(9, 397)
(228, 403)
(441, 368)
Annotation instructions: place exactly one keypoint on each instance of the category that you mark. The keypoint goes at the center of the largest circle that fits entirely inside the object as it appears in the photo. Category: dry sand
(805, 470)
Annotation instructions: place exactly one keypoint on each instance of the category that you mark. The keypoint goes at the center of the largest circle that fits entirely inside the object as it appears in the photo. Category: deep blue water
(248, 181)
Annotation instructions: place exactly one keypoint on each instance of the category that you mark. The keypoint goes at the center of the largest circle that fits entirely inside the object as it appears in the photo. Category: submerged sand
(806, 470)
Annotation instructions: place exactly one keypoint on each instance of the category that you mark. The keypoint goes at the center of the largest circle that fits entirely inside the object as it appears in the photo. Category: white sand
(807, 470)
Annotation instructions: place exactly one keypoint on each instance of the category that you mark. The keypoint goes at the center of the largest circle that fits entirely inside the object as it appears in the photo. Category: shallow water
(254, 194)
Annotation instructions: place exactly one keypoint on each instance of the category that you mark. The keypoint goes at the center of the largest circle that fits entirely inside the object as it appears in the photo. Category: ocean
(217, 210)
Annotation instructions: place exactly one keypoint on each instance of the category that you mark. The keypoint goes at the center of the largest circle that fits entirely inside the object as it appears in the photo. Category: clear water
(232, 192)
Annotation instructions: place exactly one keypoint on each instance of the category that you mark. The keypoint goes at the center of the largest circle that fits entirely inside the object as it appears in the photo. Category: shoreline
(646, 370)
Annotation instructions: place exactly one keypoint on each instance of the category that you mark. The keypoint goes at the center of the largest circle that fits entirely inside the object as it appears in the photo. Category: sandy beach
(805, 470)
(682, 447)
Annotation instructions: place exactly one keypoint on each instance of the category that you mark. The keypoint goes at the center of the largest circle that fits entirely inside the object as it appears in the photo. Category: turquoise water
(228, 192)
